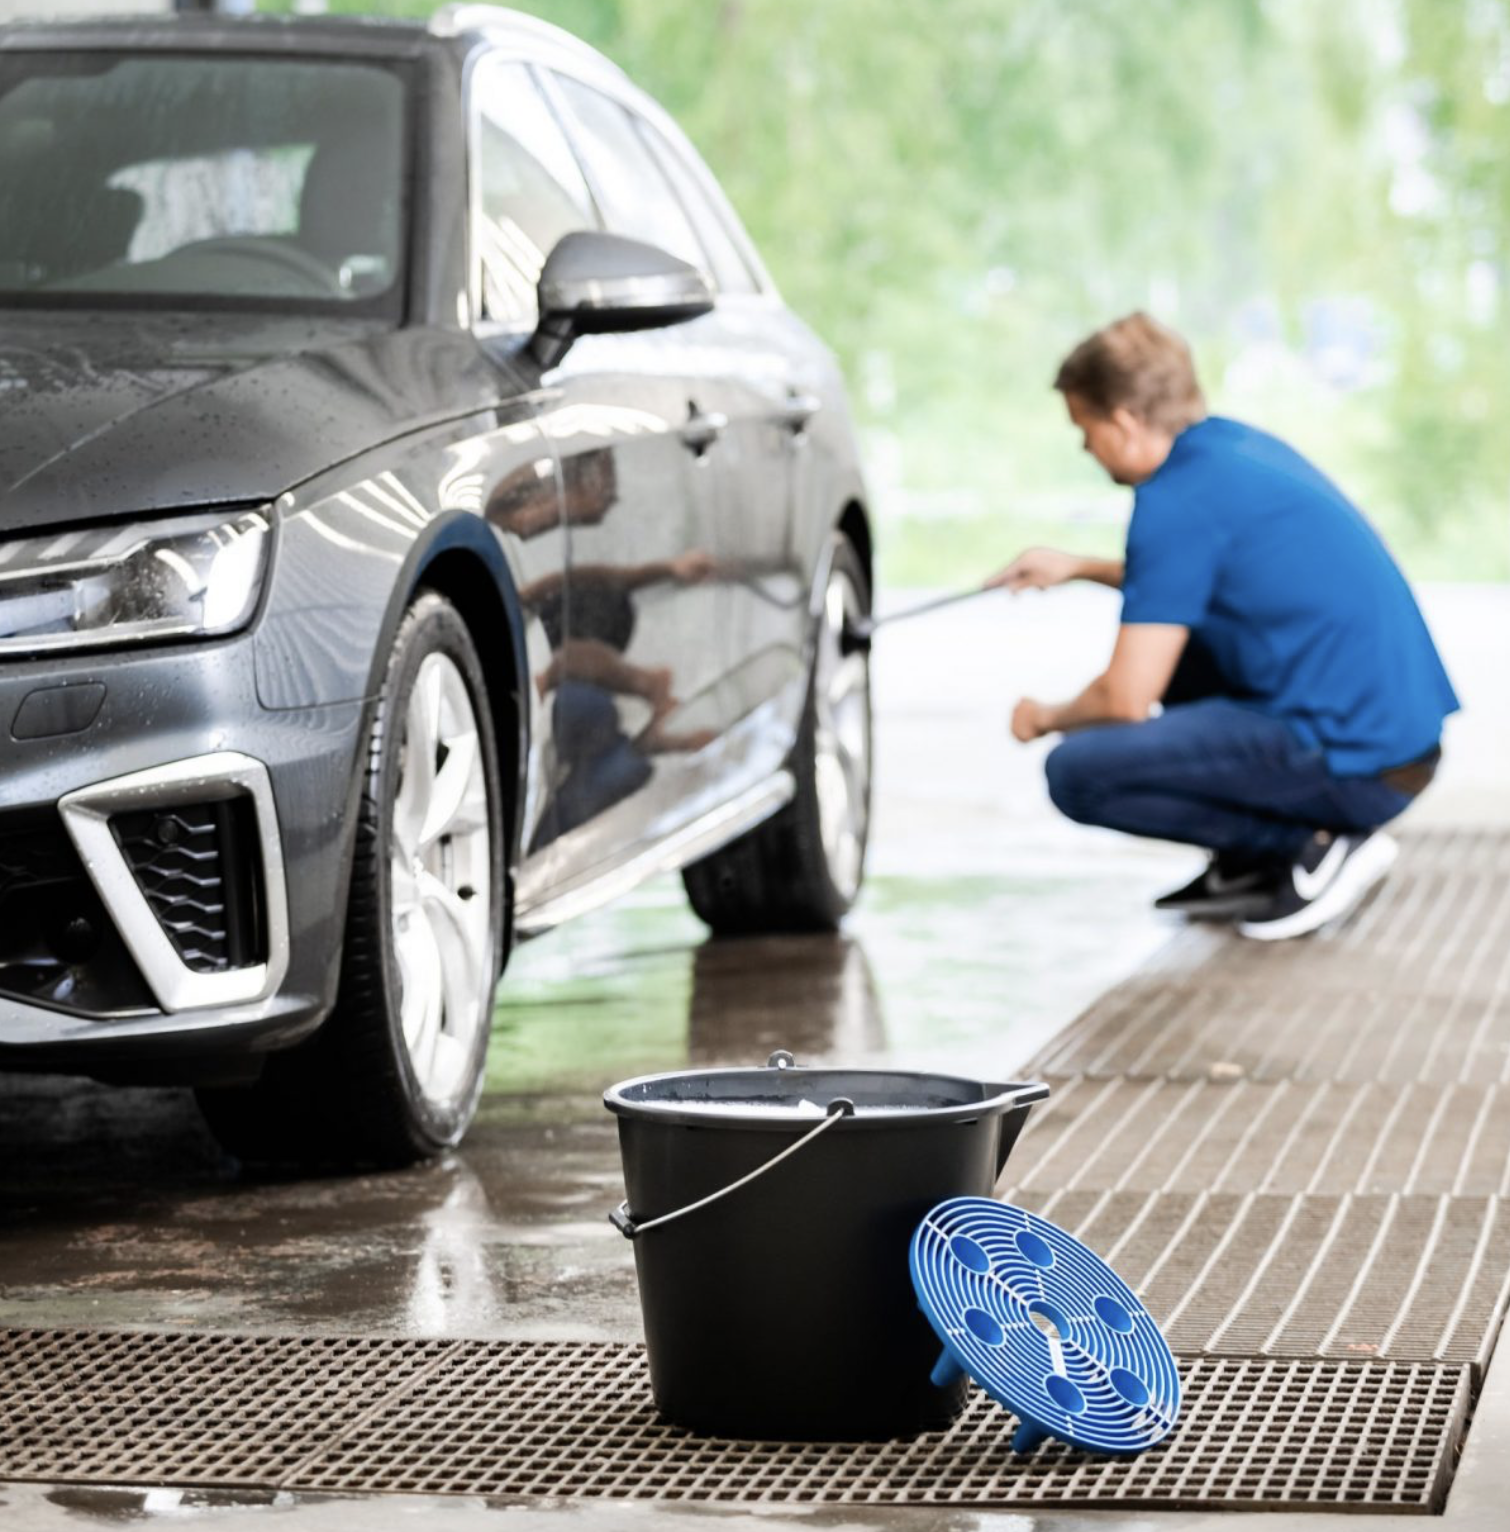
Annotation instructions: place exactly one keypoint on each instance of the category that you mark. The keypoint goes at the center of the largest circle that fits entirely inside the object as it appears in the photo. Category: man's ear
(1128, 425)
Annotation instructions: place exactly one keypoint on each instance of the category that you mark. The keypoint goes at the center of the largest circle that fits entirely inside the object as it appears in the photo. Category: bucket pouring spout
(1012, 1103)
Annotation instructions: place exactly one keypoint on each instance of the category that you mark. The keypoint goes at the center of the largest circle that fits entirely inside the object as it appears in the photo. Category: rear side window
(729, 269)
(635, 196)
(529, 190)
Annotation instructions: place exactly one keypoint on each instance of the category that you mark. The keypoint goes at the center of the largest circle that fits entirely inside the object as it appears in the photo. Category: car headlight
(189, 577)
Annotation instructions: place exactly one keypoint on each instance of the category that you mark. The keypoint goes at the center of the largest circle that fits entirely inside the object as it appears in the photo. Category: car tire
(394, 1073)
(801, 870)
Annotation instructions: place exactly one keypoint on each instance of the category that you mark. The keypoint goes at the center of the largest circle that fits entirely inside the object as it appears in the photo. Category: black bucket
(783, 1309)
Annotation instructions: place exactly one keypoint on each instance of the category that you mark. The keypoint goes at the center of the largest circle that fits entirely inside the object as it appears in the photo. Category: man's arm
(1142, 665)
(1039, 568)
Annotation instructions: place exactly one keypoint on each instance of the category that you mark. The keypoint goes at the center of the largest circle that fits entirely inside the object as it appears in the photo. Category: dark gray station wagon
(420, 522)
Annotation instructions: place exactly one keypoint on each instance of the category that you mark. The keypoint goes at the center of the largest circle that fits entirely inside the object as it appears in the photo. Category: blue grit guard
(1045, 1326)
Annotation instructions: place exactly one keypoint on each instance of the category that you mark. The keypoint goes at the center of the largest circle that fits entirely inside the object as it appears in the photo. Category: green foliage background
(1317, 192)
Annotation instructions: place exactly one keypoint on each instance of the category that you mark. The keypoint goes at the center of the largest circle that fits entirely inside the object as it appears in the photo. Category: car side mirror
(594, 283)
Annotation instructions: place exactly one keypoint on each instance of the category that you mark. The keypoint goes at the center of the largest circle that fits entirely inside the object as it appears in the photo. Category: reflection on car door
(527, 191)
(635, 686)
(738, 377)
(769, 405)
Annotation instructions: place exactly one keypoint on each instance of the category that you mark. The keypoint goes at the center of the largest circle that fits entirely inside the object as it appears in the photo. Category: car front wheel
(395, 1072)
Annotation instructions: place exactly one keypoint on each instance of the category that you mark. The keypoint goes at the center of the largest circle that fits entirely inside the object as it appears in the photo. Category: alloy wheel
(441, 882)
(842, 754)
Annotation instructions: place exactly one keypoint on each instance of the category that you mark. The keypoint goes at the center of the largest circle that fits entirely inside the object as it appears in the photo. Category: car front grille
(194, 865)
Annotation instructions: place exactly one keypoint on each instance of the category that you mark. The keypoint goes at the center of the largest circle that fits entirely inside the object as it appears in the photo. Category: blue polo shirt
(1267, 562)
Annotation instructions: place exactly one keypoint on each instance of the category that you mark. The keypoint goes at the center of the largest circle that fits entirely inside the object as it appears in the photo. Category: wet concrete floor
(985, 927)
(119, 1210)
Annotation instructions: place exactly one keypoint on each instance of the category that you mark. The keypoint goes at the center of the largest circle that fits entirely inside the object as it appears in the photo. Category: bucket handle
(840, 1106)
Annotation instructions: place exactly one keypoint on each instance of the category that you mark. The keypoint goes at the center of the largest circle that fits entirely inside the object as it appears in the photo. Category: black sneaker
(1328, 880)
(1226, 890)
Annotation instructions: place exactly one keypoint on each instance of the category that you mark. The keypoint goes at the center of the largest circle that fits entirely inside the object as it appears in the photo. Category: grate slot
(574, 1420)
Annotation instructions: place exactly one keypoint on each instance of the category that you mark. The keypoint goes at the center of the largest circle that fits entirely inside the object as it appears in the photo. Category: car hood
(106, 416)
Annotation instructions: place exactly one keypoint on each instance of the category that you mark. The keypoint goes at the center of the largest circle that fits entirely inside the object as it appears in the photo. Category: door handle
(702, 430)
(798, 410)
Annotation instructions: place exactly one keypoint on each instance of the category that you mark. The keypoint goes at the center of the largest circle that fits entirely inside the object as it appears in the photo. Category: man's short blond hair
(1137, 364)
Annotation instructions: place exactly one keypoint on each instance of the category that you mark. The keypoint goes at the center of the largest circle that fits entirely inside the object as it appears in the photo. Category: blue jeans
(1212, 773)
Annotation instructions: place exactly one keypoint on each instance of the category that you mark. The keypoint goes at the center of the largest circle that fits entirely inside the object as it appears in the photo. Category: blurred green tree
(1315, 191)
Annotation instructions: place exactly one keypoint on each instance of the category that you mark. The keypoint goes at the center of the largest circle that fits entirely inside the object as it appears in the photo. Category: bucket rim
(996, 1099)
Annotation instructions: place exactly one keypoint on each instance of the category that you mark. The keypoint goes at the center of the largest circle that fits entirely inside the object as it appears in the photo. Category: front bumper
(224, 940)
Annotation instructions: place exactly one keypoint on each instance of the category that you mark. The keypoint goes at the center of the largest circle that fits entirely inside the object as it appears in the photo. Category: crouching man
(1302, 697)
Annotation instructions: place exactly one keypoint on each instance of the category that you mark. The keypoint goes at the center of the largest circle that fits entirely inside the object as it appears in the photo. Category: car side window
(636, 198)
(729, 268)
(529, 190)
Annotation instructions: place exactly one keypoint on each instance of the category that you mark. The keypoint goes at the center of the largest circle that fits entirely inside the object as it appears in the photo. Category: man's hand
(1040, 568)
(1143, 662)
(1036, 569)
(692, 567)
(1030, 720)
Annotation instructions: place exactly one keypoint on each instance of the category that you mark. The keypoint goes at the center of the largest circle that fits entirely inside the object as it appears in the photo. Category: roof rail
(453, 20)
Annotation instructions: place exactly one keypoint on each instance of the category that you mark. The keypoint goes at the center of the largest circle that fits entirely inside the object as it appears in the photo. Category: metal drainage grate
(1425, 932)
(1278, 1029)
(1413, 988)
(1411, 1279)
(98, 1405)
(1284, 1136)
(524, 1419)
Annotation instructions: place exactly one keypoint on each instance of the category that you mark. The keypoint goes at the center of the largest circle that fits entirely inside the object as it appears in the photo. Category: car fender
(350, 552)
(457, 533)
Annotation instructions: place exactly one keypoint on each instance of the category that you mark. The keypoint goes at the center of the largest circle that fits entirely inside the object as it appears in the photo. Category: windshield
(193, 181)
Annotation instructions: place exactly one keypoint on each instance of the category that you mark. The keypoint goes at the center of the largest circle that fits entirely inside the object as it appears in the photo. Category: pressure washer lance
(856, 636)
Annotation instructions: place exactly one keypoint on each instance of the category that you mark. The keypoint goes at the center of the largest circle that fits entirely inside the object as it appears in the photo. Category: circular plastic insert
(1047, 1329)
(968, 1253)
(1034, 1249)
(1064, 1394)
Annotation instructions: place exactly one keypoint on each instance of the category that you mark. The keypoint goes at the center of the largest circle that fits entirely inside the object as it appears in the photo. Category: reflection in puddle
(451, 1280)
(119, 1506)
(971, 974)
(586, 1014)
(815, 996)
